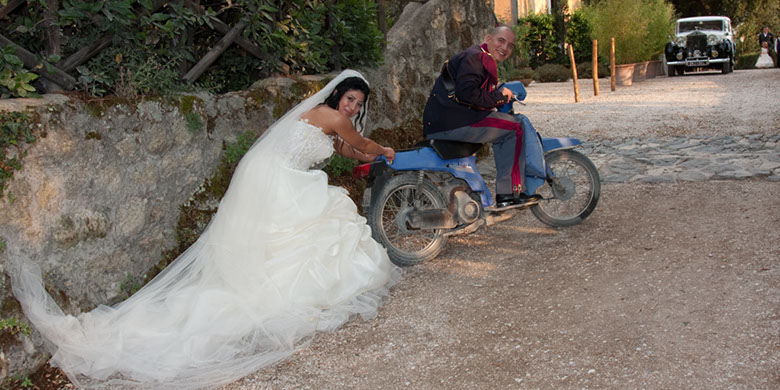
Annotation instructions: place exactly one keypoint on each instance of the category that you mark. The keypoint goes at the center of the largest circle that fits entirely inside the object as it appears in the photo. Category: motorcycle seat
(450, 149)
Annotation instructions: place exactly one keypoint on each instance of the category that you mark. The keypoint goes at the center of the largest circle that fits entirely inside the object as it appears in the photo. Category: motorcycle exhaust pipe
(430, 219)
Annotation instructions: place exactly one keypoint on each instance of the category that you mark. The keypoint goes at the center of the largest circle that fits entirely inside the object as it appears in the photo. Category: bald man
(462, 107)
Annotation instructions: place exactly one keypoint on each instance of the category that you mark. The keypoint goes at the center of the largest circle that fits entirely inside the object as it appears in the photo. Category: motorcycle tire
(406, 247)
(574, 193)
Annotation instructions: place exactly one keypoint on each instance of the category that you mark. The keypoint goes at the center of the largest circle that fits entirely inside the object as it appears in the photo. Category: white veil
(86, 346)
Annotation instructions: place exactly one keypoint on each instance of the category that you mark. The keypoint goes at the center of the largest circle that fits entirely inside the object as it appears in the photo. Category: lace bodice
(307, 145)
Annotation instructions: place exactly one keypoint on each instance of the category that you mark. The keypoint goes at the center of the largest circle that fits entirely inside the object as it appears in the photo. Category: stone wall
(99, 195)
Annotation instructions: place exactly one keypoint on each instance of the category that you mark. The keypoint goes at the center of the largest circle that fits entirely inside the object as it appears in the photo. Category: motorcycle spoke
(398, 202)
(579, 199)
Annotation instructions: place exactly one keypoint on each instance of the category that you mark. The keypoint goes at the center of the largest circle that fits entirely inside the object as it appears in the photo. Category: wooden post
(223, 28)
(214, 53)
(612, 64)
(85, 53)
(595, 68)
(574, 73)
(10, 6)
(59, 77)
(50, 30)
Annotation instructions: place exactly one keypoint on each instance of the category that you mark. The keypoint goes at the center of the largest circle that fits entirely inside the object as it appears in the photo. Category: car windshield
(700, 25)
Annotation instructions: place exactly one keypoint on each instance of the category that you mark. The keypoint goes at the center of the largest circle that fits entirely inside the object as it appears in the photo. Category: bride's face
(350, 102)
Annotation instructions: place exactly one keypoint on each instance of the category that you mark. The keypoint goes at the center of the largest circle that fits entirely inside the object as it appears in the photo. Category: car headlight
(679, 55)
(680, 41)
(712, 39)
(715, 53)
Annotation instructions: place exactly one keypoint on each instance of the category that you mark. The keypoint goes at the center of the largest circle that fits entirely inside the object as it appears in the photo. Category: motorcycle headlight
(680, 41)
(715, 53)
(712, 39)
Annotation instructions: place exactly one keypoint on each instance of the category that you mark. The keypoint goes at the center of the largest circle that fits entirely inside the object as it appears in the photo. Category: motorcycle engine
(466, 208)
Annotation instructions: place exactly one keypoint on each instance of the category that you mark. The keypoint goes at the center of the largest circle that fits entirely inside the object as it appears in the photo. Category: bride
(285, 256)
(764, 60)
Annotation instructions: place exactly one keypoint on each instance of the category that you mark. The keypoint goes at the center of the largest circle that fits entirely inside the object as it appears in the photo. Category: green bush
(151, 50)
(552, 73)
(640, 27)
(746, 61)
(537, 37)
(513, 74)
(580, 36)
(585, 70)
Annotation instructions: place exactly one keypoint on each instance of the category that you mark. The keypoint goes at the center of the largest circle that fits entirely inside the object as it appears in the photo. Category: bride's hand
(389, 153)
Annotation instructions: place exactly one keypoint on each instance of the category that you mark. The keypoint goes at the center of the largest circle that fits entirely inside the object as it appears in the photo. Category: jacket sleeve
(468, 81)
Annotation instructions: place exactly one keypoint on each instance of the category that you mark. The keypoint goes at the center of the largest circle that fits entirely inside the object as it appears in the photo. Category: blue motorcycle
(434, 190)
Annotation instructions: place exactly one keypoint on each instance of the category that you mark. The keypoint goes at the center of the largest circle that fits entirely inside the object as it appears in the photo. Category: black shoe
(520, 199)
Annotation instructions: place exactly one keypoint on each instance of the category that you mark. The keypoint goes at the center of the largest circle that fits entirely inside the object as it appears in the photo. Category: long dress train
(286, 255)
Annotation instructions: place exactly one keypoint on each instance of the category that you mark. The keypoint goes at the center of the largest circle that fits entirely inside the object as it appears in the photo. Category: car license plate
(697, 62)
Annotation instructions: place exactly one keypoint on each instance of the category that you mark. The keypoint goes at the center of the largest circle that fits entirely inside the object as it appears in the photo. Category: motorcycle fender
(556, 143)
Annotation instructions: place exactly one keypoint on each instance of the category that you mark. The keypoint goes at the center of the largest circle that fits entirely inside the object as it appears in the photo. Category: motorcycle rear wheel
(574, 193)
(406, 247)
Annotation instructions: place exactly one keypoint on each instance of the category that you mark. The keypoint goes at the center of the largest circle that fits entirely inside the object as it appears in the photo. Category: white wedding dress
(764, 60)
(286, 255)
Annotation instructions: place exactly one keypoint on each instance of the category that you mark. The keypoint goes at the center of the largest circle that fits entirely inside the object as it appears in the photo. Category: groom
(461, 107)
(766, 36)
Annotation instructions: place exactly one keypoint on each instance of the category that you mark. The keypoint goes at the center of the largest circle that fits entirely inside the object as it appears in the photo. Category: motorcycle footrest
(494, 209)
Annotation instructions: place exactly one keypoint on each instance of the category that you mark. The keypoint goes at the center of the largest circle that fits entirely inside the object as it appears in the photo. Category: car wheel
(671, 71)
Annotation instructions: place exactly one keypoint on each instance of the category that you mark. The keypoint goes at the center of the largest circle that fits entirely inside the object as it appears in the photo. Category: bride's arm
(349, 151)
(344, 128)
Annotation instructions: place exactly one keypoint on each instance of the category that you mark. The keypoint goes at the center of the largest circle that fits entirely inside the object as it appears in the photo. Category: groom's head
(500, 43)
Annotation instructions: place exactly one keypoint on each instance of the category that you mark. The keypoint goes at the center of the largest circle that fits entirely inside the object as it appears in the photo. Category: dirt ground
(673, 286)
(665, 286)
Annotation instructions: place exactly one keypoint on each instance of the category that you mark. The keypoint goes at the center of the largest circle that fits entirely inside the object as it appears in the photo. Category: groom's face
(501, 44)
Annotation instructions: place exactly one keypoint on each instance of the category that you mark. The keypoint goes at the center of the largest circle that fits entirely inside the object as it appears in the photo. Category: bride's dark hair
(351, 84)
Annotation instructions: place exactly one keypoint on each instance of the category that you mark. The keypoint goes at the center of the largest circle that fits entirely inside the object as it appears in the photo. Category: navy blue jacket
(443, 113)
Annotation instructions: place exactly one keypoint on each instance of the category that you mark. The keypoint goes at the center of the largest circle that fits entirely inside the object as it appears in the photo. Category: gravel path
(696, 104)
(670, 285)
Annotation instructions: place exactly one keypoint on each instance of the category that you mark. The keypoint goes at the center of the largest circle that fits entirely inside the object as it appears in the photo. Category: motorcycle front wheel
(386, 217)
(573, 194)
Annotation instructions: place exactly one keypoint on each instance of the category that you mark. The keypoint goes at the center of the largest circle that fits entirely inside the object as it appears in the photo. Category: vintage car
(700, 43)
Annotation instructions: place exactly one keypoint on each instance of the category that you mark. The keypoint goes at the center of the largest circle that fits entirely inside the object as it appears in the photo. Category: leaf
(118, 58)
(27, 77)
(147, 4)
(13, 60)
(159, 17)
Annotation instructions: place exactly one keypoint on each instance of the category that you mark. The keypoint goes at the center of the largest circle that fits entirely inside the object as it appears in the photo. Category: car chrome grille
(696, 42)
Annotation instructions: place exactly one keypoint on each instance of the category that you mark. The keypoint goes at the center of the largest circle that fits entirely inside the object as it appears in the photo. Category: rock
(423, 37)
